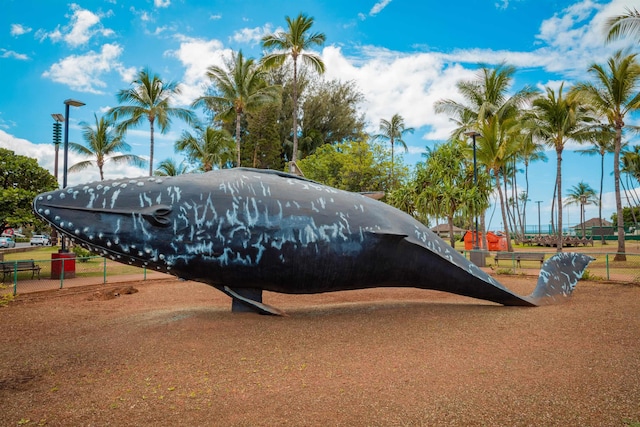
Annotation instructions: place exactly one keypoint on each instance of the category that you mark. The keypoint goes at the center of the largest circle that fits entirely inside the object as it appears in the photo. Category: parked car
(7, 242)
(40, 239)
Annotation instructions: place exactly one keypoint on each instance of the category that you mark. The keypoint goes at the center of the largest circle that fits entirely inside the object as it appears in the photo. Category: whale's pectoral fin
(249, 299)
(559, 276)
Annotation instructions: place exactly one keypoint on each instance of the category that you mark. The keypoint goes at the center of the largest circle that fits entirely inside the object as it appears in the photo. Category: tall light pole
(477, 257)
(538, 202)
(67, 103)
(473, 134)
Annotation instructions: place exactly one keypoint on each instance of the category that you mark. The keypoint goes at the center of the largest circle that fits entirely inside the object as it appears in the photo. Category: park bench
(8, 267)
(519, 256)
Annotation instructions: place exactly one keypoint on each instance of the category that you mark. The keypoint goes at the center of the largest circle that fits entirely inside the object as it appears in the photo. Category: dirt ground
(172, 354)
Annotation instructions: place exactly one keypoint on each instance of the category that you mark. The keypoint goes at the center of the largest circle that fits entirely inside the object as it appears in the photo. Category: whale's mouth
(87, 237)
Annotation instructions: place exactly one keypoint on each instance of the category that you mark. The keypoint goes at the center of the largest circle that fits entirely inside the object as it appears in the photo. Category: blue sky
(403, 55)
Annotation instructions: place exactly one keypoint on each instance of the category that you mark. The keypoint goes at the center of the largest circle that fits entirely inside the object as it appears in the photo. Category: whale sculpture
(248, 230)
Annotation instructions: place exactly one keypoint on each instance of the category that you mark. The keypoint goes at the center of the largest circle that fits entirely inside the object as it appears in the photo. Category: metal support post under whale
(243, 231)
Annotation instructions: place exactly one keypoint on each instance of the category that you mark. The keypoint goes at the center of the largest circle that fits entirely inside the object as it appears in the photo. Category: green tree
(555, 119)
(209, 148)
(103, 145)
(330, 115)
(496, 147)
(393, 131)
(21, 180)
(446, 185)
(487, 104)
(295, 43)
(580, 195)
(149, 98)
(169, 167)
(623, 25)
(352, 166)
(614, 94)
(262, 147)
(240, 88)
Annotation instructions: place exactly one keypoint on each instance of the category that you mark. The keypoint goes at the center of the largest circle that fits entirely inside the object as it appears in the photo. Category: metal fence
(95, 270)
(603, 268)
(22, 276)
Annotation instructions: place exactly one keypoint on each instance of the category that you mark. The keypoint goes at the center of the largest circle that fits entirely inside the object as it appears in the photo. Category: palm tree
(580, 195)
(487, 97)
(150, 98)
(496, 148)
(622, 25)
(294, 43)
(103, 144)
(602, 143)
(555, 119)
(240, 88)
(169, 167)
(393, 131)
(614, 94)
(210, 147)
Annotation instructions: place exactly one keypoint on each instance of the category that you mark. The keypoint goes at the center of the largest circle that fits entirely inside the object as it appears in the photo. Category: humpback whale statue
(248, 230)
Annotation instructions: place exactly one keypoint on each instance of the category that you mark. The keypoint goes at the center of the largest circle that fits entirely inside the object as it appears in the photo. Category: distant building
(593, 222)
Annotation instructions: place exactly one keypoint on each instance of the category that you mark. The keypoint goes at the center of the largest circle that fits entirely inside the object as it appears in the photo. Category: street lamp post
(479, 259)
(65, 165)
(63, 263)
(538, 202)
(67, 103)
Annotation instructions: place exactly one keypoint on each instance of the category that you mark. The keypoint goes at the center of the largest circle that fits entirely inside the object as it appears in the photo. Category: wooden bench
(8, 267)
(519, 256)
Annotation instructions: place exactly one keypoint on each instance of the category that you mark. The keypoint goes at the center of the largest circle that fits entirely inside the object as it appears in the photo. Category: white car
(7, 242)
(39, 239)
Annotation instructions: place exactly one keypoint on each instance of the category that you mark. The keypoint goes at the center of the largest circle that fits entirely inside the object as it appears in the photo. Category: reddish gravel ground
(173, 354)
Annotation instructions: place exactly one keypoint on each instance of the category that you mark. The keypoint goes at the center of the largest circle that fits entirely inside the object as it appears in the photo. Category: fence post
(144, 269)
(61, 272)
(15, 278)
(104, 271)
(607, 264)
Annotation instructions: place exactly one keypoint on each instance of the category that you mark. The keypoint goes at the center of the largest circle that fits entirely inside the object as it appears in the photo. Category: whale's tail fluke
(558, 277)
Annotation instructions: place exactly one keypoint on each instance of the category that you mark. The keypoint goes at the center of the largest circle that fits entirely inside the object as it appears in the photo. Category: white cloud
(397, 83)
(196, 55)
(4, 53)
(83, 25)
(162, 3)
(410, 83)
(251, 35)
(45, 154)
(84, 72)
(19, 29)
(377, 8)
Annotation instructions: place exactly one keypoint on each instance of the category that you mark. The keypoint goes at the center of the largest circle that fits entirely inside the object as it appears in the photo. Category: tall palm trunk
(620, 255)
(604, 241)
(391, 177)
(294, 155)
(238, 119)
(151, 142)
(504, 212)
(559, 196)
